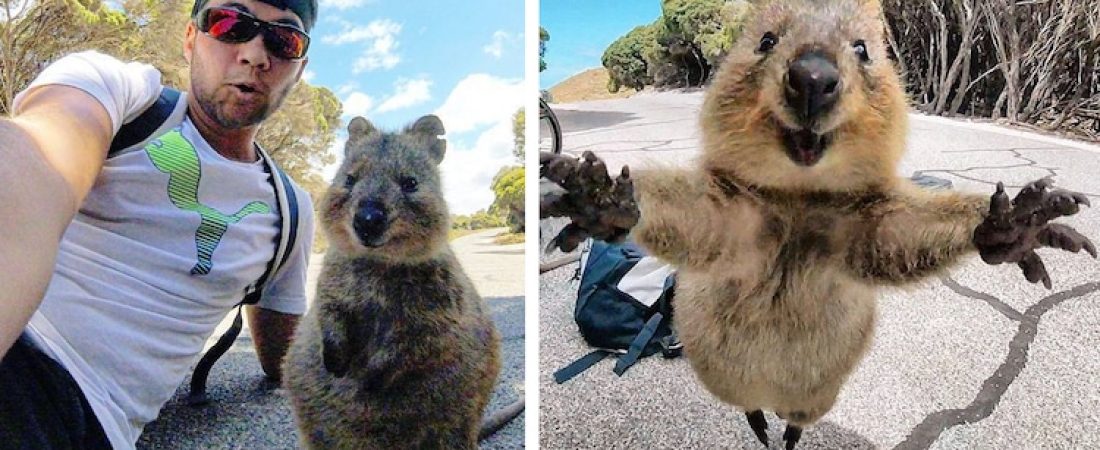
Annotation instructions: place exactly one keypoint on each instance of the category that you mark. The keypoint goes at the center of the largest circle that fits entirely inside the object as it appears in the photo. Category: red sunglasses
(235, 26)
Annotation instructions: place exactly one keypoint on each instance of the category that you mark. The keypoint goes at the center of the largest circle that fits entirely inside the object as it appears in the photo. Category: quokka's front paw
(599, 206)
(1015, 228)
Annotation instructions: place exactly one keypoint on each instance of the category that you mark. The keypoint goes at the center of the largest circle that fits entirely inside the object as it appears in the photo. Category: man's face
(239, 85)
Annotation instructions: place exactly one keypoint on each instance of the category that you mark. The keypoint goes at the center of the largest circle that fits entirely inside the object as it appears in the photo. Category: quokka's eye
(349, 181)
(860, 48)
(408, 185)
(767, 43)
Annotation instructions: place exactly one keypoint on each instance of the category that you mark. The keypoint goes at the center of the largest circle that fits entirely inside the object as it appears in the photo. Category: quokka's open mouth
(805, 147)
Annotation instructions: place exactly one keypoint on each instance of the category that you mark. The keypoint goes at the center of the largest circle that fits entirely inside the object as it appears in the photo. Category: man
(110, 285)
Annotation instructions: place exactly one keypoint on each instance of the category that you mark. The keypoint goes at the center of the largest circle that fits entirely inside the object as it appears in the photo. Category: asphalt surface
(249, 412)
(979, 359)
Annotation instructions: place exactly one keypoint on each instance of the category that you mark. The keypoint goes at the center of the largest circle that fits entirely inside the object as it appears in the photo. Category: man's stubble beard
(217, 110)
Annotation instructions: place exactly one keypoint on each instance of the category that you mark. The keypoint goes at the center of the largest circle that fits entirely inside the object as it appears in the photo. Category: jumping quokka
(397, 350)
(794, 215)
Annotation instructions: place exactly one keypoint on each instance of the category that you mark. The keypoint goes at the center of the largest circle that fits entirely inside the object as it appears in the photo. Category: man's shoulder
(123, 88)
(93, 56)
(93, 62)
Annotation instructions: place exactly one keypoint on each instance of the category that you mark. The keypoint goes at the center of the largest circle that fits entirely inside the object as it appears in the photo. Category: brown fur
(398, 350)
(779, 263)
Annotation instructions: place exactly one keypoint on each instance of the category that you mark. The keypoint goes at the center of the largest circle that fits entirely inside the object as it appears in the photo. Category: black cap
(305, 9)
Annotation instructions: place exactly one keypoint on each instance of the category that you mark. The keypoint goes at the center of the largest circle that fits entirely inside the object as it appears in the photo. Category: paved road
(249, 412)
(979, 359)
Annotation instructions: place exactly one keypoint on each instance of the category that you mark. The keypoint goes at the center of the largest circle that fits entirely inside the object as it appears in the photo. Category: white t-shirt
(163, 247)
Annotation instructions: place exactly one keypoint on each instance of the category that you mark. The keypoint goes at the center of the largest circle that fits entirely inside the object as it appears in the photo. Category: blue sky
(580, 30)
(393, 61)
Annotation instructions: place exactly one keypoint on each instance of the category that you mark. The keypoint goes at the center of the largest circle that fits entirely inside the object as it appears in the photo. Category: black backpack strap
(671, 347)
(197, 396)
(639, 344)
(288, 233)
(143, 127)
(576, 367)
(288, 229)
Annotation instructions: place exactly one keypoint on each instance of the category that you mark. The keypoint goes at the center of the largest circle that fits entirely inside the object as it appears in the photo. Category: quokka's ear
(438, 149)
(431, 126)
(360, 127)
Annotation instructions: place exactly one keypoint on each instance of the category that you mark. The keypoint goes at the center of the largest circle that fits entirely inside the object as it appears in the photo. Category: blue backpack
(164, 114)
(624, 307)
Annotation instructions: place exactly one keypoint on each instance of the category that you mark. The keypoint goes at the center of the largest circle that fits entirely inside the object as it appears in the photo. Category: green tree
(157, 38)
(34, 33)
(300, 134)
(544, 37)
(518, 123)
(625, 58)
(681, 48)
(460, 222)
(484, 219)
(508, 186)
(707, 27)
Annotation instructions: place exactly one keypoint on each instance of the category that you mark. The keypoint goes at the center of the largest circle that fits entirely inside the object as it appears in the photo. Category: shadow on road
(573, 121)
(518, 251)
(828, 435)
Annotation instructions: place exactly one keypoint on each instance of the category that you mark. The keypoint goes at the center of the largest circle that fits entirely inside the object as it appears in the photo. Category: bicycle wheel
(549, 129)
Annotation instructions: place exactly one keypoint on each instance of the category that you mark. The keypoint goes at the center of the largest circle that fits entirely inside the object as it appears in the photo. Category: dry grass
(509, 238)
(588, 85)
(455, 234)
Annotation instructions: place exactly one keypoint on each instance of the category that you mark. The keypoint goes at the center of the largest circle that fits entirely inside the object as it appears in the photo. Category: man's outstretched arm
(51, 152)
(271, 335)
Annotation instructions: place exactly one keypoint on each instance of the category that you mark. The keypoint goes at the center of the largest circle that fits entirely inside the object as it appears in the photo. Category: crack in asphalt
(994, 387)
(980, 150)
(1015, 153)
(1051, 171)
(996, 303)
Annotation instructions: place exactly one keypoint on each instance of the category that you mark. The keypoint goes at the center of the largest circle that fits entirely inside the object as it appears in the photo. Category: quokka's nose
(813, 85)
(370, 220)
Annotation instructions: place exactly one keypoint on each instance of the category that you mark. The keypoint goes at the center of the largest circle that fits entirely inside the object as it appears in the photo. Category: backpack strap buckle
(671, 347)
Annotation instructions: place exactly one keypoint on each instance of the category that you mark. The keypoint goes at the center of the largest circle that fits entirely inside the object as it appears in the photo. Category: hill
(588, 85)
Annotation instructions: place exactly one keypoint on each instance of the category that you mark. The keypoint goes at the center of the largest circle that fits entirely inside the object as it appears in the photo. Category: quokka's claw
(1061, 236)
(1034, 269)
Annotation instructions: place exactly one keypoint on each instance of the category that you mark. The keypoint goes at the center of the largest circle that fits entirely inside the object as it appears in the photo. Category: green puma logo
(174, 155)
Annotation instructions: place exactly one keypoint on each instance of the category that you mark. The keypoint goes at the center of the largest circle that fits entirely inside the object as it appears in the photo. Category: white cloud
(407, 92)
(362, 33)
(380, 36)
(347, 88)
(468, 172)
(309, 75)
(496, 47)
(357, 104)
(481, 99)
(343, 4)
(478, 102)
(379, 56)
